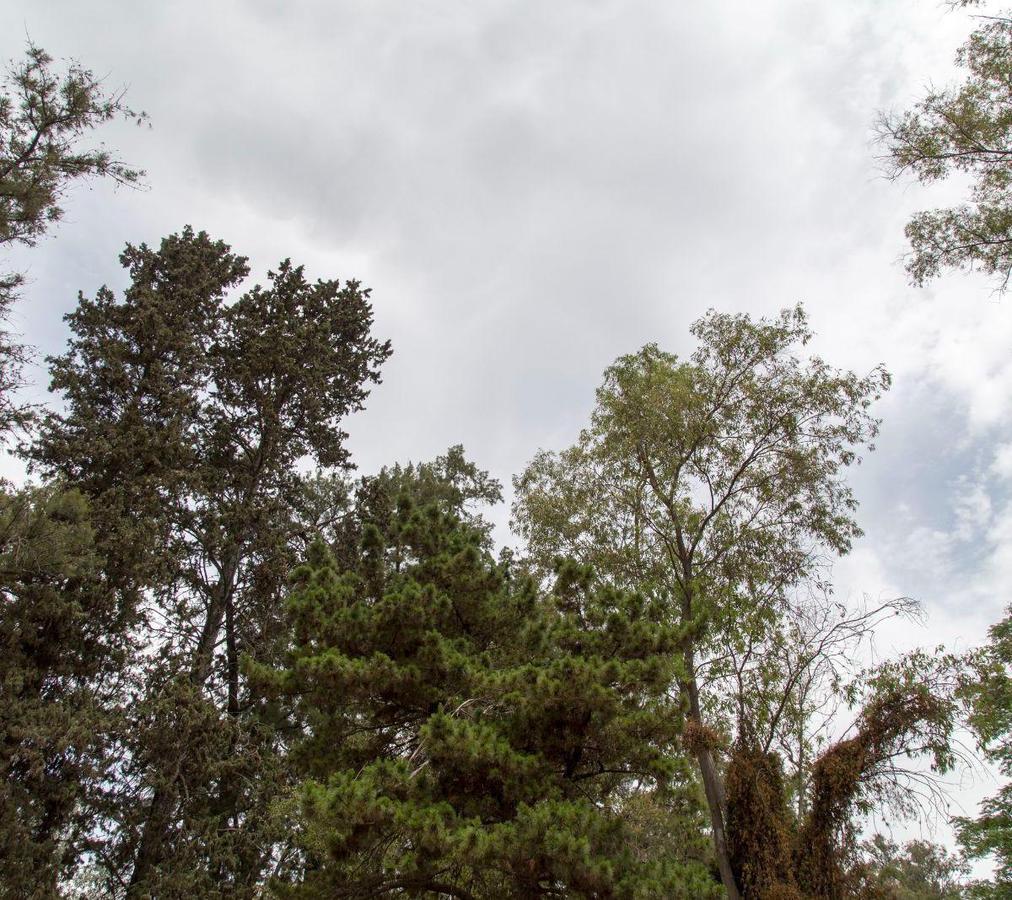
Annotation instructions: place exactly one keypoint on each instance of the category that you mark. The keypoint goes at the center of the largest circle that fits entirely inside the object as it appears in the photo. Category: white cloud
(534, 188)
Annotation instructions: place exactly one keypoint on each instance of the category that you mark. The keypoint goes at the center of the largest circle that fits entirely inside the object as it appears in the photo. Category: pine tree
(463, 735)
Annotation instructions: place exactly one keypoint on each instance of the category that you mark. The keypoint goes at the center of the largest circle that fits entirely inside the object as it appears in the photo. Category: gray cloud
(534, 188)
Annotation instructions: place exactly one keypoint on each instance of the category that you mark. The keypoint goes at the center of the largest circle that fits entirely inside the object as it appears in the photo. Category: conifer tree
(44, 118)
(466, 736)
(188, 417)
(62, 645)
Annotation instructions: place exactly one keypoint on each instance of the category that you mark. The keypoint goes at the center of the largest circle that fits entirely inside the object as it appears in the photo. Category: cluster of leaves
(988, 689)
(965, 129)
(63, 646)
(918, 870)
(44, 117)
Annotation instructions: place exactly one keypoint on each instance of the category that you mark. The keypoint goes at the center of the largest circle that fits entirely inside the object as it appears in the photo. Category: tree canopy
(965, 128)
(466, 736)
(715, 482)
(234, 668)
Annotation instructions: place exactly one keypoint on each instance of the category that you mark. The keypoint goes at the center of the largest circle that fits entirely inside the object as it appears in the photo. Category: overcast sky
(533, 188)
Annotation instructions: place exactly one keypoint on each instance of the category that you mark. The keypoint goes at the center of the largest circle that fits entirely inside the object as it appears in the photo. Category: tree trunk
(164, 800)
(713, 788)
(150, 853)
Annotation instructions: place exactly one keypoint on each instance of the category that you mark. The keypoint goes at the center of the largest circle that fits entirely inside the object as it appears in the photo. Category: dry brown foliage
(697, 737)
(775, 857)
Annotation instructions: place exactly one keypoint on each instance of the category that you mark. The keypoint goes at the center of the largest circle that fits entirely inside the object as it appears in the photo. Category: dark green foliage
(339, 510)
(188, 418)
(61, 645)
(466, 736)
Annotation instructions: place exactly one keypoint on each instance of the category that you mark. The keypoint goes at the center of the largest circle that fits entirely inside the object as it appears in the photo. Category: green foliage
(61, 645)
(43, 120)
(708, 479)
(988, 691)
(918, 870)
(188, 419)
(43, 117)
(467, 736)
(962, 129)
(339, 511)
(709, 484)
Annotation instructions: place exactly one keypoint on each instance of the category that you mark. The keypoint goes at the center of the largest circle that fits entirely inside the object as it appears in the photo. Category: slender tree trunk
(221, 599)
(713, 786)
(149, 854)
(232, 658)
(716, 801)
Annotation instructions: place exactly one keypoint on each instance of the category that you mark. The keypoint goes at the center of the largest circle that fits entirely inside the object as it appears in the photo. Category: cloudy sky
(533, 188)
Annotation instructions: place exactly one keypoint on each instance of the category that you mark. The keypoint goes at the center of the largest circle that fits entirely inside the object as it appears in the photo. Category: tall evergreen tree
(44, 118)
(465, 736)
(62, 648)
(188, 420)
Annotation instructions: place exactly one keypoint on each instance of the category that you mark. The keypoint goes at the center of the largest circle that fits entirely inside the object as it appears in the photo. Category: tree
(466, 736)
(905, 709)
(64, 633)
(988, 691)
(63, 647)
(450, 481)
(717, 482)
(44, 117)
(918, 870)
(188, 421)
(787, 689)
(965, 129)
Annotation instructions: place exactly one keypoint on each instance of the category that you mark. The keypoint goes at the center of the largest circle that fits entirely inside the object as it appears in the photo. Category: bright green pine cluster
(466, 735)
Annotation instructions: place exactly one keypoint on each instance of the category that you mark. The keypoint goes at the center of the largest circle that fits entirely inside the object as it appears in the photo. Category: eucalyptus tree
(189, 419)
(965, 129)
(715, 482)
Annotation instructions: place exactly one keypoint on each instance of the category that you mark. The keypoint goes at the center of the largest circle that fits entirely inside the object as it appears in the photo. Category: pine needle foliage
(463, 735)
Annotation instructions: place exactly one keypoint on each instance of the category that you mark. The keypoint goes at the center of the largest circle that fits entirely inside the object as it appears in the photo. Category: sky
(531, 189)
